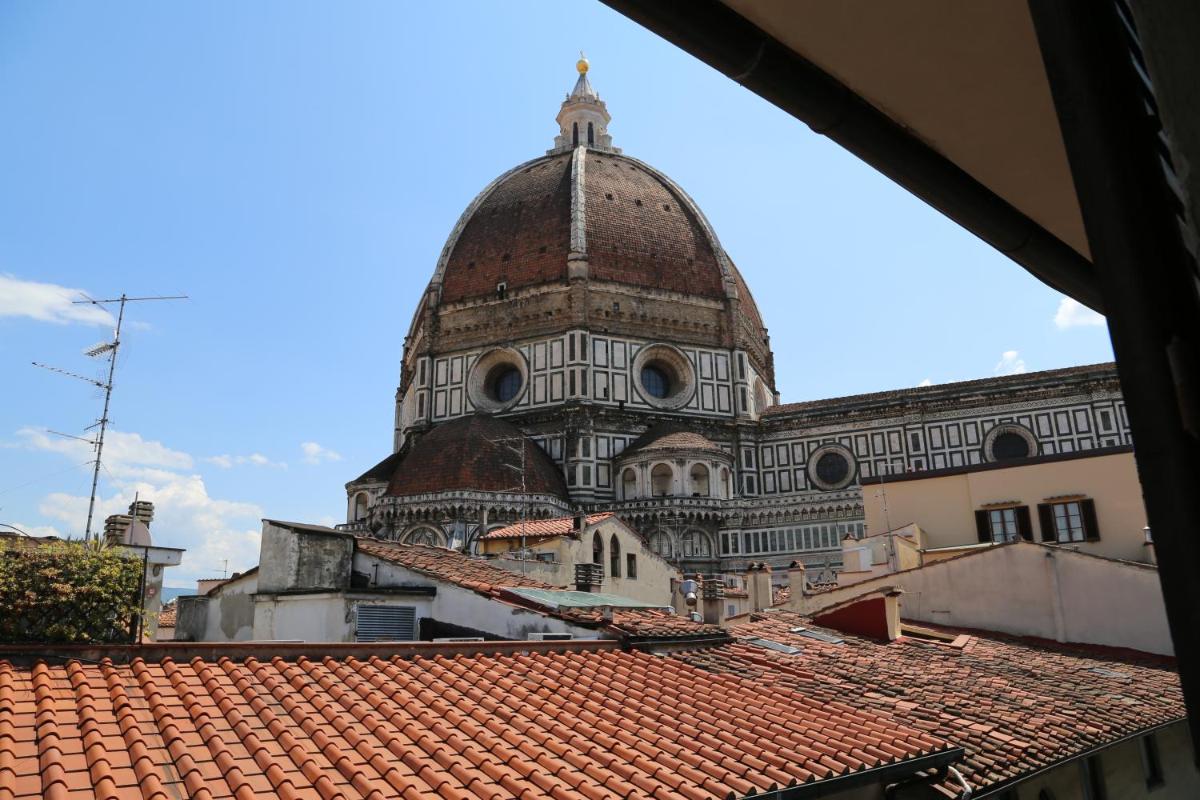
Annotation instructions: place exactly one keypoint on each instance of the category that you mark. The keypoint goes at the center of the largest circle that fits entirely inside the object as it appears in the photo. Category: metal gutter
(842, 783)
(730, 43)
(1000, 787)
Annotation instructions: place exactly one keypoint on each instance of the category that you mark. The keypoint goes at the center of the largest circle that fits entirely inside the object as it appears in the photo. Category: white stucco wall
(1030, 590)
(230, 615)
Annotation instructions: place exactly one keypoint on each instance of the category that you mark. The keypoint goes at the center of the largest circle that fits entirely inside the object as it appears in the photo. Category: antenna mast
(109, 349)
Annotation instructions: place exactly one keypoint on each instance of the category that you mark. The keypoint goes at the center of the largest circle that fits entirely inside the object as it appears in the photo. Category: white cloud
(212, 530)
(1010, 363)
(48, 302)
(227, 461)
(926, 382)
(122, 451)
(315, 453)
(1073, 314)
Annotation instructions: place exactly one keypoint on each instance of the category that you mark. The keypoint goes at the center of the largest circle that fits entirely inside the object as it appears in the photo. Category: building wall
(654, 574)
(324, 617)
(1124, 772)
(944, 507)
(226, 616)
(1029, 590)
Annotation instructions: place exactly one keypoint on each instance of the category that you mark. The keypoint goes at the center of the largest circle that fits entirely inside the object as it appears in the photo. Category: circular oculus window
(1008, 442)
(497, 380)
(665, 378)
(831, 467)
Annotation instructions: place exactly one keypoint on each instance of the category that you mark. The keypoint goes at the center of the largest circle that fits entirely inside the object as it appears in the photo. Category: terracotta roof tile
(1014, 706)
(543, 528)
(447, 565)
(603, 723)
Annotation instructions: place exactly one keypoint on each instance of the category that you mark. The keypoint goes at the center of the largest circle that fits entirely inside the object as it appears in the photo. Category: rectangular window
(773, 545)
(731, 609)
(724, 542)
(1068, 522)
(630, 565)
(587, 475)
(807, 539)
(1003, 524)
(1151, 763)
(757, 542)
(734, 540)
(747, 542)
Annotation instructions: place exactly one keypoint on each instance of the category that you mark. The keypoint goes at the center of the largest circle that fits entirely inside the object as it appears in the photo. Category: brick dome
(470, 454)
(628, 222)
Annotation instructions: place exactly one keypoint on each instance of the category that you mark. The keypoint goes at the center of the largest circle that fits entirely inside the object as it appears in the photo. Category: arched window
(661, 479)
(575, 133)
(591, 135)
(614, 557)
(660, 543)
(628, 484)
(360, 506)
(597, 549)
(694, 544)
(699, 476)
(426, 536)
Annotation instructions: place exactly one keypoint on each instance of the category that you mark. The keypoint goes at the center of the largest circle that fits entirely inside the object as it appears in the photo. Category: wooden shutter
(1091, 527)
(1024, 525)
(1046, 520)
(982, 526)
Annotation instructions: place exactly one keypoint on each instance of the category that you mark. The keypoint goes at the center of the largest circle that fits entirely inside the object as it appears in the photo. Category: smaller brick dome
(664, 437)
(468, 454)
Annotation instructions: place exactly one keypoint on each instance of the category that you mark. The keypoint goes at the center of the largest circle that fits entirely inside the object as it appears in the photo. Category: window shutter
(1091, 527)
(982, 527)
(1046, 520)
(1024, 525)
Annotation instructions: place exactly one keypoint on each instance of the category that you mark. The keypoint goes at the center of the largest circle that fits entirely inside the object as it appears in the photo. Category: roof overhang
(950, 100)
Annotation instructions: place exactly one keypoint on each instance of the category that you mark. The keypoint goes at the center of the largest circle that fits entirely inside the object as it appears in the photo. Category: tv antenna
(106, 349)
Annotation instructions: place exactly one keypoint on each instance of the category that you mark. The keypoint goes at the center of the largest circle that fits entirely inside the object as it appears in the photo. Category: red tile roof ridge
(17, 655)
(544, 528)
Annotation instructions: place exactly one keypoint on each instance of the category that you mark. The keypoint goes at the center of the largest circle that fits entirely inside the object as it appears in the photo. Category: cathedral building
(586, 343)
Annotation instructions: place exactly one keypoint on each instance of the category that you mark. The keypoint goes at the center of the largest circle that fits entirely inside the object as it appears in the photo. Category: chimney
(142, 511)
(116, 528)
(580, 523)
(797, 583)
(758, 586)
(588, 577)
(712, 591)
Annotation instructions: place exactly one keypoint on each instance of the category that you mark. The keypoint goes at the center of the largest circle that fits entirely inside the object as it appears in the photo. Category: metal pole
(108, 387)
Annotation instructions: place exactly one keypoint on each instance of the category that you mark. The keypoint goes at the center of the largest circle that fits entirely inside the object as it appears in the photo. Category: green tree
(64, 592)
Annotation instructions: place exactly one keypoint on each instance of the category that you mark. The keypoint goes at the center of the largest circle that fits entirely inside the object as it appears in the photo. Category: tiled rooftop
(448, 565)
(647, 624)
(166, 617)
(543, 528)
(562, 723)
(1015, 706)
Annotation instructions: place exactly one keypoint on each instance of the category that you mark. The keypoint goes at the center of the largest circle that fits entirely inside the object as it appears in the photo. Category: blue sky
(295, 169)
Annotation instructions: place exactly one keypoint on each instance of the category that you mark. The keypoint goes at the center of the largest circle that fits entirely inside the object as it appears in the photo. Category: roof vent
(459, 639)
(550, 637)
(778, 647)
(820, 636)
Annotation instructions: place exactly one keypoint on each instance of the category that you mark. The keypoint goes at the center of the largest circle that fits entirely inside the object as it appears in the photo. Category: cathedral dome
(586, 213)
(474, 453)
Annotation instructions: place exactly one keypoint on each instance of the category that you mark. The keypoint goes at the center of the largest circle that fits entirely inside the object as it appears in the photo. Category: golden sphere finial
(582, 64)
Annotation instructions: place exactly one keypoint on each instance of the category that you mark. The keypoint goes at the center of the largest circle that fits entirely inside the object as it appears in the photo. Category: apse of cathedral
(585, 343)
